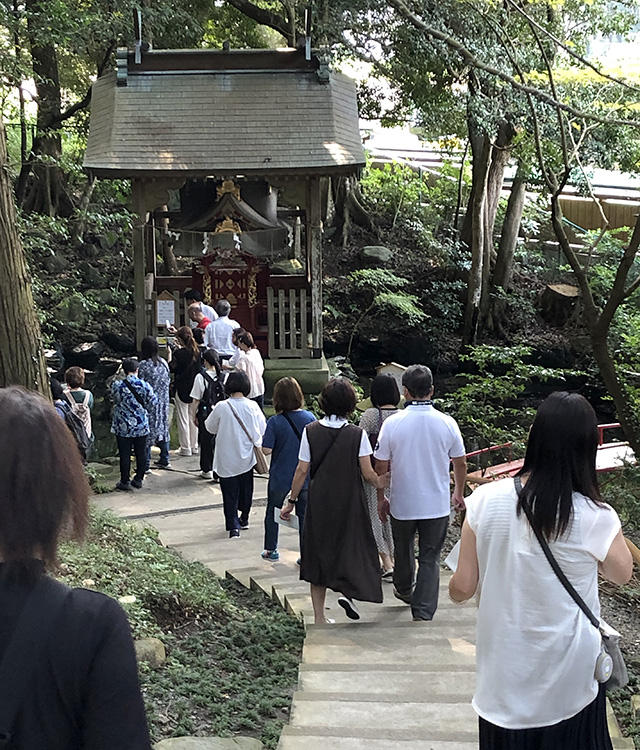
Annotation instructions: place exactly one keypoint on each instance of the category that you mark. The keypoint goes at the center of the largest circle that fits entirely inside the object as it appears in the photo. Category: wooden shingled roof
(216, 113)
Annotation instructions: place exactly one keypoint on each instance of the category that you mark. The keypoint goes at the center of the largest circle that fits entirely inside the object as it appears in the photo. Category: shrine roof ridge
(191, 61)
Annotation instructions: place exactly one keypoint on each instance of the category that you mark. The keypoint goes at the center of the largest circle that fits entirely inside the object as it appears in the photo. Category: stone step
(400, 685)
(387, 719)
(292, 740)
(442, 652)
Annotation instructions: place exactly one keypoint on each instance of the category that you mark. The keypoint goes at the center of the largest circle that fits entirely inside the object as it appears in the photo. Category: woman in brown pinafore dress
(338, 548)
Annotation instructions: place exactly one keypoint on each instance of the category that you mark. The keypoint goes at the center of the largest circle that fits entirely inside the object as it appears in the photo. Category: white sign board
(165, 311)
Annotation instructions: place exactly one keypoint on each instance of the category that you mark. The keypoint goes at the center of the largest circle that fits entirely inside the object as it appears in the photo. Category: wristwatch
(293, 500)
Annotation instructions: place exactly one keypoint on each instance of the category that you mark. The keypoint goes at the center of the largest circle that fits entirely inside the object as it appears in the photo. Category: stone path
(382, 683)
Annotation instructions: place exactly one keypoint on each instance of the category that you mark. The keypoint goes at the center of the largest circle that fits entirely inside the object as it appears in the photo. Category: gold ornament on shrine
(252, 292)
(227, 225)
(228, 186)
(206, 288)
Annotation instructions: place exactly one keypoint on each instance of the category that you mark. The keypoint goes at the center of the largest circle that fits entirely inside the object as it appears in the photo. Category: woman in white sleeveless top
(536, 650)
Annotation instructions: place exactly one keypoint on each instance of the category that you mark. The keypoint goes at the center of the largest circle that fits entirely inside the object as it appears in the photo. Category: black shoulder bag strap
(552, 560)
(315, 467)
(24, 652)
(293, 427)
(136, 395)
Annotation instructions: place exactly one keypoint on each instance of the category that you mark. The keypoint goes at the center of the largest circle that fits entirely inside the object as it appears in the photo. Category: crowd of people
(371, 499)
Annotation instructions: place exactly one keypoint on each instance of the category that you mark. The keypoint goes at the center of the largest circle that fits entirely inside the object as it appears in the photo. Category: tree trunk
(348, 207)
(598, 320)
(81, 221)
(21, 359)
(499, 160)
(509, 235)
(481, 147)
(46, 192)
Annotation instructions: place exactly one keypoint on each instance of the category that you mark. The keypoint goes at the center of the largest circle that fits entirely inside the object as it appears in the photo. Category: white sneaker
(185, 452)
(196, 451)
(205, 475)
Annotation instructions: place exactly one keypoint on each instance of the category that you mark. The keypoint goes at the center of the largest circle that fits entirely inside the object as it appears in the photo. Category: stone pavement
(381, 683)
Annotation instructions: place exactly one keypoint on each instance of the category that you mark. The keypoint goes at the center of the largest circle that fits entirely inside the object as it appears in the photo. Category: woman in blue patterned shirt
(155, 371)
(132, 399)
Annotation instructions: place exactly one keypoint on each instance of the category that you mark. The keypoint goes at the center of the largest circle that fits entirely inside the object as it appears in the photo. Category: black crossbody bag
(25, 649)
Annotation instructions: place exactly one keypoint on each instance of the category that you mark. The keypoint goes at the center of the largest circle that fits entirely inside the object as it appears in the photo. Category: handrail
(603, 427)
(489, 449)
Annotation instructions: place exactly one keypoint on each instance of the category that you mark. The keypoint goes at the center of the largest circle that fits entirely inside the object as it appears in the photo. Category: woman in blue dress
(155, 371)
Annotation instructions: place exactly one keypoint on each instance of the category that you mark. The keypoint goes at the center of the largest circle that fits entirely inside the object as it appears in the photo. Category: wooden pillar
(139, 259)
(314, 255)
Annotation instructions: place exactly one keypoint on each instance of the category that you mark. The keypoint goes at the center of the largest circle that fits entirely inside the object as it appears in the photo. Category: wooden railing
(289, 322)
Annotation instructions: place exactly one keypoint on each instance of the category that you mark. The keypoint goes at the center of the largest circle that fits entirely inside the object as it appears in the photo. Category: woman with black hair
(385, 397)
(536, 687)
(68, 672)
(207, 391)
(185, 365)
(250, 361)
(238, 424)
(337, 545)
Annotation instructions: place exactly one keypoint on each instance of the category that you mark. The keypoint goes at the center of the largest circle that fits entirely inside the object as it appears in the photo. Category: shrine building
(230, 154)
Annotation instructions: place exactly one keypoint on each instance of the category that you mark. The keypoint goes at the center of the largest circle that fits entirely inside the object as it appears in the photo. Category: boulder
(104, 295)
(85, 355)
(209, 743)
(376, 254)
(71, 310)
(54, 359)
(150, 651)
(90, 274)
(118, 343)
(88, 250)
(55, 264)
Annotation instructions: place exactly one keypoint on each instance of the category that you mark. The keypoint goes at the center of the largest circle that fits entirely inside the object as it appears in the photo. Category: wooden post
(139, 260)
(314, 256)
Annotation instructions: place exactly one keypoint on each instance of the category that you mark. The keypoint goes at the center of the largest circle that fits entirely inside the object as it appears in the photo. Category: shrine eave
(125, 173)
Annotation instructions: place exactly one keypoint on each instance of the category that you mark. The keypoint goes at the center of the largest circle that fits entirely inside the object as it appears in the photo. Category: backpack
(213, 393)
(81, 409)
(76, 427)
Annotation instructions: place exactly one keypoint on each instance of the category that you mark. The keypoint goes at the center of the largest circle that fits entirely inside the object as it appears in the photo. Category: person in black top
(185, 365)
(83, 693)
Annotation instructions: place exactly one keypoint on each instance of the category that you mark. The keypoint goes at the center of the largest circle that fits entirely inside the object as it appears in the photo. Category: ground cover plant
(232, 654)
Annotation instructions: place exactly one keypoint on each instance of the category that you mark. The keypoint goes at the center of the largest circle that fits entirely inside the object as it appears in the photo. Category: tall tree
(21, 357)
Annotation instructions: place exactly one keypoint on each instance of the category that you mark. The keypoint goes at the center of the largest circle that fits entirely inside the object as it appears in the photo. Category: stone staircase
(381, 683)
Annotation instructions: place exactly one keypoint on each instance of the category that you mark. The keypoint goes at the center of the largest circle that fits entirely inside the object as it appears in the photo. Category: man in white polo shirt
(218, 334)
(417, 445)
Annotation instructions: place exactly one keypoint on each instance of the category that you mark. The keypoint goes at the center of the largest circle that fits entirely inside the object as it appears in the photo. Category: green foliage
(488, 402)
(377, 294)
(621, 489)
(79, 290)
(232, 655)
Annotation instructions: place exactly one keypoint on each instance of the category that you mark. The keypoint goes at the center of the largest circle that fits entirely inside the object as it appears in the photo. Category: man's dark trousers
(422, 589)
(139, 445)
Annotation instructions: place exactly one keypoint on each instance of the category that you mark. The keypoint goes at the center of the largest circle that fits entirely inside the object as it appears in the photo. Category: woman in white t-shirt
(238, 424)
(536, 651)
(250, 361)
